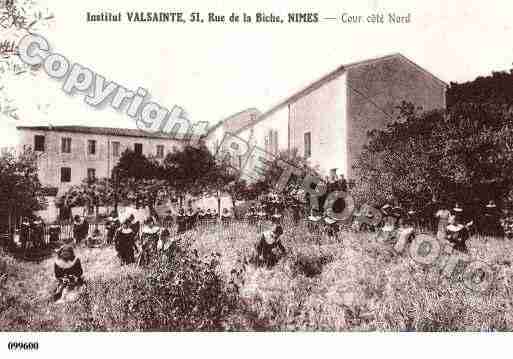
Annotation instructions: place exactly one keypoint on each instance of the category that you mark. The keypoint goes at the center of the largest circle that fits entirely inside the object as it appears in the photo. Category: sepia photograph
(232, 167)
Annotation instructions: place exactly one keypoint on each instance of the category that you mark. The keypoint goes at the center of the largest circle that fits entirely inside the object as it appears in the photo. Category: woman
(25, 233)
(150, 237)
(458, 234)
(314, 219)
(80, 229)
(226, 216)
(181, 221)
(443, 215)
(491, 219)
(125, 243)
(68, 271)
(268, 242)
(38, 232)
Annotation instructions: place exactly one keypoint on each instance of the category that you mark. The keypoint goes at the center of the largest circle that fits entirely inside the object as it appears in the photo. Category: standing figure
(181, 222)
(491, 219)
(124, 242)
(112, 226)
(296, 211)
(251, 215)
(398, 214)
(268, 243)
(226, 216)
(149, 240)
(25, 233)
(458, 233)
(331, 226)
(276, 217)
(389, 219)
(55, 232)
(80, 229)
(190, 218)
(314, 219)
(443, 215)
(38, 232)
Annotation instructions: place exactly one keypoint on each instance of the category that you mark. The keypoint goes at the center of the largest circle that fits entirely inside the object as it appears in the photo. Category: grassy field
(351, 282)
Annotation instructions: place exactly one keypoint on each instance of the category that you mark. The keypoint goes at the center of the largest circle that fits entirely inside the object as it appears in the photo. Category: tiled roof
(108, 131)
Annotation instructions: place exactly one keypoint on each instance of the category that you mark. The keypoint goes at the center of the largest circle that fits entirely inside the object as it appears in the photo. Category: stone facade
(79, 159)
(337, 111)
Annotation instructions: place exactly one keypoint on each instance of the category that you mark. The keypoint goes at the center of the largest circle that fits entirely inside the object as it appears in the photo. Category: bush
(182, 293)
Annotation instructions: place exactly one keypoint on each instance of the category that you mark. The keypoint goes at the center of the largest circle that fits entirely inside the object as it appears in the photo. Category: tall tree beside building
(20, 189)
(463, 154)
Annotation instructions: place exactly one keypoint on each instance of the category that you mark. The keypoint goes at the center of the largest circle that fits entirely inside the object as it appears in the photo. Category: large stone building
(67, 155)
(328, 121)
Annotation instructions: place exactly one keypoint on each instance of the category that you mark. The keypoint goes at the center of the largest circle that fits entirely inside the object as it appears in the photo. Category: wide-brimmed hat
(457, 208)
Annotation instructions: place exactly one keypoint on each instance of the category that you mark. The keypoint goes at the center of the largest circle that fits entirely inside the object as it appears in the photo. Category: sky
(213, 70)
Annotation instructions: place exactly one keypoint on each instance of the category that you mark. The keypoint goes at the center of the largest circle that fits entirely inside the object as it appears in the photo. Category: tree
(17, 19)
(274, 169)
(190, 170)
(459, 155)
(20, 189)
(136, 178)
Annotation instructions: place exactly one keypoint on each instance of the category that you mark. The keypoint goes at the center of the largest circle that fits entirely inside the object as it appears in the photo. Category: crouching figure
(269, 244)
(68, 272)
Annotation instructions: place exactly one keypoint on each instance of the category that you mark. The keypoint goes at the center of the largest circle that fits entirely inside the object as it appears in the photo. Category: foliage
(17, 19)
(463, 154)
(493, 89)
(274, 169)
(190, 169)
(20, 189)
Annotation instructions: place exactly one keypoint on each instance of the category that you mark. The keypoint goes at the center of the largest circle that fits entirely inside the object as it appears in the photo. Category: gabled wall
(374, 91)
(322, 112)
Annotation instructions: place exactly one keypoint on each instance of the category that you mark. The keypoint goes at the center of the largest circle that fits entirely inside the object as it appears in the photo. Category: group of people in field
(137, 242)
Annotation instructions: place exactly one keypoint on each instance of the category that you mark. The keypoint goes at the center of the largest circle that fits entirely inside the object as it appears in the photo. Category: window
(138, 148)
(115, 149)
(65, 174)
(160, 151)
(91, 147)
(308, 145)
(39, 143)
(66, 145)
(91, 175)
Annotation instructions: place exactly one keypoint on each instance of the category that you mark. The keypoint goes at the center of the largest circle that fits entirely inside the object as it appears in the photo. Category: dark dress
(80, 230)
(458, 235)
(149, 237)
(491, 221)
(181, 224)
(65, 269)
(68, 274)
(24, 234)
(38, 232)
(265, 249)
(125, 245)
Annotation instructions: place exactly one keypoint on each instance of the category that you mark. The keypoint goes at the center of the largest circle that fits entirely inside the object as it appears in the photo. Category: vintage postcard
(294, 166)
